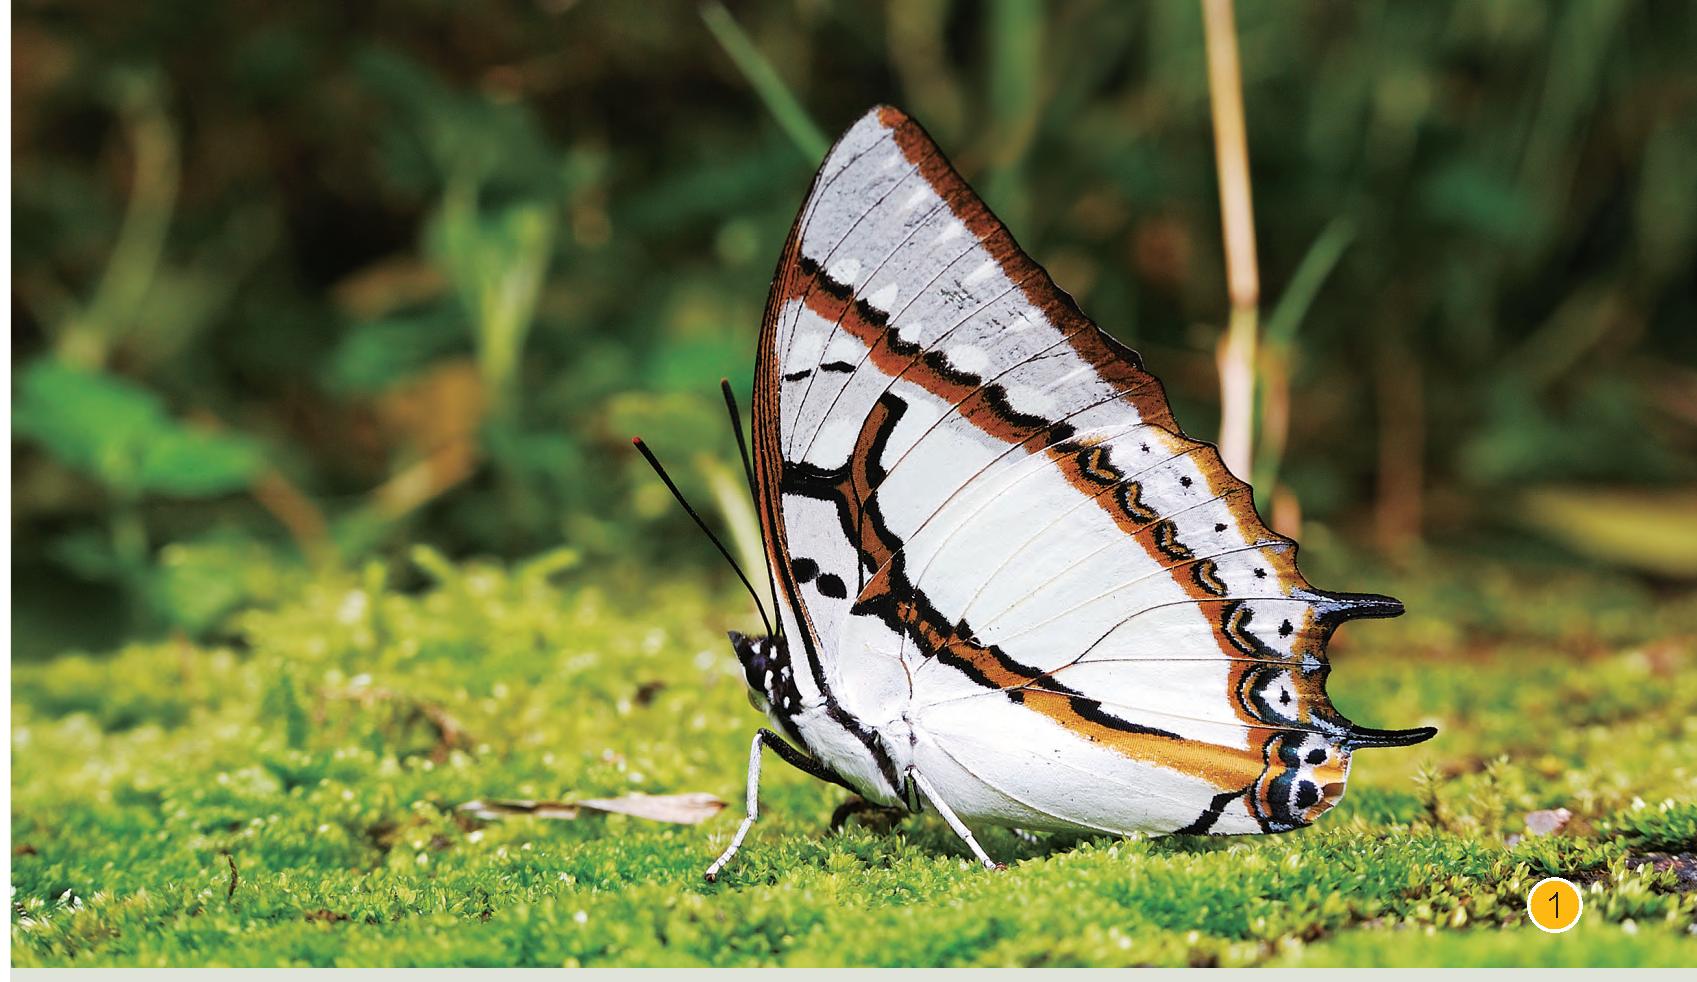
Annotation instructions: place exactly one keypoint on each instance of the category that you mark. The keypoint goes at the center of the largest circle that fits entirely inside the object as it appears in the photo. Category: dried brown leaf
(691, 808)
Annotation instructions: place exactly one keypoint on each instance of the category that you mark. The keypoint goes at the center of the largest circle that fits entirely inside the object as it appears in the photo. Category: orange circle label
(1554, 905)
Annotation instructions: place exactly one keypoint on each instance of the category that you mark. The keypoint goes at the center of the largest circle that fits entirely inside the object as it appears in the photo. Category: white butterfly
(1011, 589)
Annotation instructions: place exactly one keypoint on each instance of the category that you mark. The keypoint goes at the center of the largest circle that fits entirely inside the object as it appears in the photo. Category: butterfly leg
(766, 738)
(753, 809)
(879, 814)
(954, 822)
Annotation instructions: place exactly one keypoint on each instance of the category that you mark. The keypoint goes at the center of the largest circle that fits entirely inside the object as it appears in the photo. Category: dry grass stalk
(1237, 352)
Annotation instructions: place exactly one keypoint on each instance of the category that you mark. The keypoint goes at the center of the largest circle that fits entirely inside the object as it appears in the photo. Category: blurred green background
(299, 286)
(331, 324)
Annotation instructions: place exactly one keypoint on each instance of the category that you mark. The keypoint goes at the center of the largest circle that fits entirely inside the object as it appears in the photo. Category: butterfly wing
(990, 523)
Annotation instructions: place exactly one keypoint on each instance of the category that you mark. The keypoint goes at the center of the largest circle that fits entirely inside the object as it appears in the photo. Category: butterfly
(1010, 590)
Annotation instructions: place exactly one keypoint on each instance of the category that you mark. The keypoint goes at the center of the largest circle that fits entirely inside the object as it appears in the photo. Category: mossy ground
(287, 797)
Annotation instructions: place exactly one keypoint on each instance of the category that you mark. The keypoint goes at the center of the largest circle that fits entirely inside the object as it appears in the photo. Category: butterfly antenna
(654, 462)
(748, 471)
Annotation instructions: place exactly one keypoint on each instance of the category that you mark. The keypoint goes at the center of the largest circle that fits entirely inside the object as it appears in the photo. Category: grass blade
(780, 101)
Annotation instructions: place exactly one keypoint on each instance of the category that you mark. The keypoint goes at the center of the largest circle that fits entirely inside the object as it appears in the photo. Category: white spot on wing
(844, 270)
(1031, 400)
(981, 273)
(844, 348)
(969, 359)
(809, 342)
(834, 442)
(884, 298)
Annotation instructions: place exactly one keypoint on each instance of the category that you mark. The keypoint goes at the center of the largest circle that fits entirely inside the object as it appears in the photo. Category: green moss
(322, 754)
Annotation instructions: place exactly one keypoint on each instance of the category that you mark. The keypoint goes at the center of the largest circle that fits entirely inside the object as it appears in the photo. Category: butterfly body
(866, 742)
(1010, 588)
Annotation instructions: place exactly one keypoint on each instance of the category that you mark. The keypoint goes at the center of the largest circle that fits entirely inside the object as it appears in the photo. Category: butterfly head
(766, 667)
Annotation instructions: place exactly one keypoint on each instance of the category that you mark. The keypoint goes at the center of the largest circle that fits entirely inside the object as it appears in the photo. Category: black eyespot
(1284, 697)
(831, 585)
(1220, 527)
(1260, 574)
(805, 569)
(1285, 629)
(1184, 481)
(1316, 756)
(1145, 448)
(1306, 794)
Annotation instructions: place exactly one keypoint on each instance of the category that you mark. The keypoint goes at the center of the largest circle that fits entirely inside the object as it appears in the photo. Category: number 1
(1555, 901)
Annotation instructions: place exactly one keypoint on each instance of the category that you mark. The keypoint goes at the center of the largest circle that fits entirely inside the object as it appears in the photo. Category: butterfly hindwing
(999, 547)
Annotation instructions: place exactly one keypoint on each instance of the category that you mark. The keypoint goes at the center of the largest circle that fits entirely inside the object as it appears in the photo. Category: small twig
(296, 513)
(235, 877)
(449, 733)
(422, 482)
(288, 504)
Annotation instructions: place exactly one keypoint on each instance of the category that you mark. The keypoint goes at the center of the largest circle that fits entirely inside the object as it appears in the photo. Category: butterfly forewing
(991, 529)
